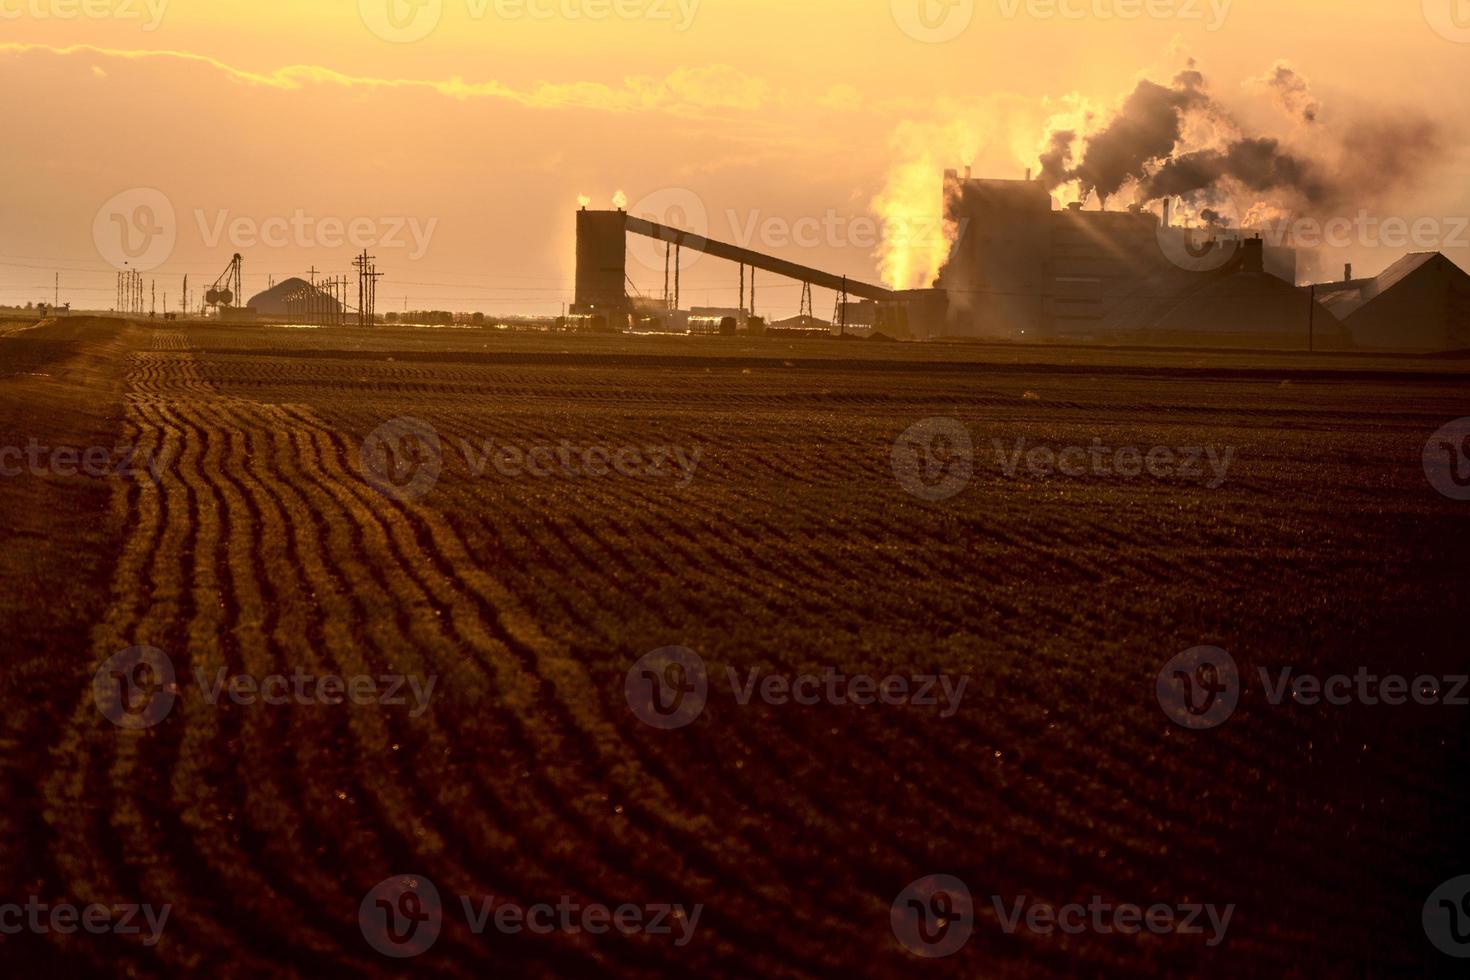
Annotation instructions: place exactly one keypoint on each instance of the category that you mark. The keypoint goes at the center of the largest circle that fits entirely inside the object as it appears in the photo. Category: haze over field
(467, 149)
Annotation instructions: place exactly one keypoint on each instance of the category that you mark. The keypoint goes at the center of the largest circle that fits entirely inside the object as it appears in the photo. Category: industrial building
(602, 281)
(1420, 303)
(296, 298)
(1020, 269)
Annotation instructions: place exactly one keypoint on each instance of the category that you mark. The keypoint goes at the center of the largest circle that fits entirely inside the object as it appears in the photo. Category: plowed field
(775, 534)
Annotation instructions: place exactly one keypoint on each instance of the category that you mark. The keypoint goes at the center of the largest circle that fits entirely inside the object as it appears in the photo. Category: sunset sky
(482, 134)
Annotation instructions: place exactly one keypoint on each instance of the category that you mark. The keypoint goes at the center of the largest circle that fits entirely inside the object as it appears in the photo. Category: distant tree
(390, 318)
(478, 319)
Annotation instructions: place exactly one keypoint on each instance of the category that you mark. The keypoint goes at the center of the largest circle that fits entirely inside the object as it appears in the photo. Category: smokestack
(1253, 255)
(1168, 211)
(1347, 272)
(967, 173)
(1028, 174)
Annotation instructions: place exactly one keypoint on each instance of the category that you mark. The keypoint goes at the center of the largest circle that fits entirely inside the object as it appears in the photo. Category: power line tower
(367, 289)
(806, 301)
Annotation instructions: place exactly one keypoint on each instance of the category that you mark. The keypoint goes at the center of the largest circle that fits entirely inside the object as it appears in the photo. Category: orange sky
(462, 152)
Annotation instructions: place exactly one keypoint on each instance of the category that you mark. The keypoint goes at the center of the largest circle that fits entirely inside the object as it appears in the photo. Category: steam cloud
(1146, 147)
(1291, 91)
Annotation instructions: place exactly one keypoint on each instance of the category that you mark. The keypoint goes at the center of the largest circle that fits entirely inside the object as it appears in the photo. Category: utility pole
(56, 292)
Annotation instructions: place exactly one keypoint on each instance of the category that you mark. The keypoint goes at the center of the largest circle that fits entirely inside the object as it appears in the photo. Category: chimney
(967, 173)
(1168, 211)
(1347, 272)
(1253, 255)
(1028, 173)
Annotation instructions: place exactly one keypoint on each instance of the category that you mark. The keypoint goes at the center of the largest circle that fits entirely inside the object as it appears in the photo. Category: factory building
(1020, 270)
(1420, 303)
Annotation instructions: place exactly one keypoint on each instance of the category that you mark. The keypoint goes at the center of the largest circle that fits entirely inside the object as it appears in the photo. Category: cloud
(684, 91)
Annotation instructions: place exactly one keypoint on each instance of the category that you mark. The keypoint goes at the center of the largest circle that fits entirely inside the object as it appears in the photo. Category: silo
(601, 262)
